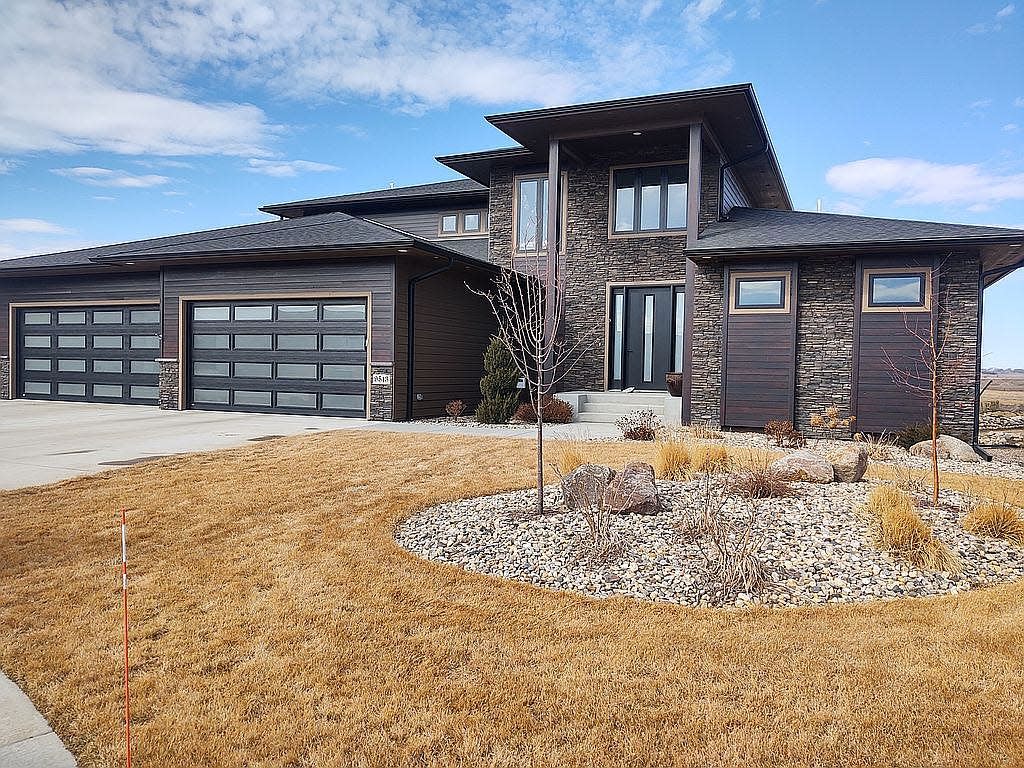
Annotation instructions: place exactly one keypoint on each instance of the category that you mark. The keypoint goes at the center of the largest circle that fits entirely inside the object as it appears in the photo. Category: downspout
(999, 273)
(411, 329)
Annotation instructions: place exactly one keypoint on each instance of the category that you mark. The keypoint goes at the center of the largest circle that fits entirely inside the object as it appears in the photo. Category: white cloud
(8, 164)
(981, 103)
(104, 198)
(106, 177)
(648, 8)
(1011, 128)
(32, 226)
(1019, 101)
(1005, 11)
(916, 181)
(283, 168)
(697, 16)
(847, 207)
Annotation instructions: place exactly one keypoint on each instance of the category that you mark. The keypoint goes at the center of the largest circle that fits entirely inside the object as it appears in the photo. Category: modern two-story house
(666, 218)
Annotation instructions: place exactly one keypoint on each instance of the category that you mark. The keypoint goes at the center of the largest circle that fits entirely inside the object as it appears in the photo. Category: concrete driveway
(43, 442)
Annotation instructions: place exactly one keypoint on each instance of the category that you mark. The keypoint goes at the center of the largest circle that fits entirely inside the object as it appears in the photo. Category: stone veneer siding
(382, 396)
(592, 258)
(5, 378)
(826, 303)
(169, 384)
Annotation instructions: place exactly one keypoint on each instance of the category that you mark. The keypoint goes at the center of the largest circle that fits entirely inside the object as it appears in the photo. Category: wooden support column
(692, 226)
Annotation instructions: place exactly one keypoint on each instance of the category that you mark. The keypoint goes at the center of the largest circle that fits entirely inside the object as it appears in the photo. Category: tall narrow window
(617, 323)
(624, 194)
(532, 221)
(648, 338)
(678, 351)
(650, 199)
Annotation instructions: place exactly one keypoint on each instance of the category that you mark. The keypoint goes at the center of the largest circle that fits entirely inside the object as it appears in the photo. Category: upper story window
(459, 223)
(531, 221)
(896, 290)
(648, 199)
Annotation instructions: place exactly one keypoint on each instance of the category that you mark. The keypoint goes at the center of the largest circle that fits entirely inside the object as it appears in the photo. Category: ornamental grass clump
(898, 529)
(672, 462)
(571, 454)
(758, 480)
(709, 458)
(996, 520)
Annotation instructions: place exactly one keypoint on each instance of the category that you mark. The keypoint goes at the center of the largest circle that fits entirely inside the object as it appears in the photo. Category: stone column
(170, 383)
(382, 391)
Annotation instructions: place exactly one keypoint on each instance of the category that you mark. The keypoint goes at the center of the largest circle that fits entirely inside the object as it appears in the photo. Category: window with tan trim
(758, 292)
(896, 289)
(471, 223)
(647, 200)
(529, 212)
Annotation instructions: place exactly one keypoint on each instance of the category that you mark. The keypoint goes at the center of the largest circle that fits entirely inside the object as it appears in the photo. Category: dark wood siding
(98, 288)
(733, 194)
(882, 404)
(760, 358)
(452, 329)
(374, 276)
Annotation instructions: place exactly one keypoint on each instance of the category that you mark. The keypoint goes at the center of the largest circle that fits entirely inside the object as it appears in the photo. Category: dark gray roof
(752, 230)
(328, 231)
(474, 247)
(416, 192)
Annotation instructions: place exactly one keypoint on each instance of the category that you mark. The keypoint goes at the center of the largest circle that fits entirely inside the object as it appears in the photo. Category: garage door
(296, 356)
(92, 354)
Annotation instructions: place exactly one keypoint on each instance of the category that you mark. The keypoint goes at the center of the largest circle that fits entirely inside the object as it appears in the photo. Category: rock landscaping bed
(817, 547)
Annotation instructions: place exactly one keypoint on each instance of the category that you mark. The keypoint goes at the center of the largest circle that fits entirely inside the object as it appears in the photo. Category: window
(144, 316)
(344, 341)
(105, 342)
(107, 317)
(211, 313)
(296, 399)
(72, 342)
(107, 390)
(36, 387)
(71, 366)
(531, 221)
(345, 311)
(761, 292)
(344, 372)
(37, 342)
(254, 341)
(648, 199)
(37, 318)
(296, 370)
(677, 357)
(297, 341)
(144, 366)
(297, 312)
(67, 388)
(141, 392)
(211, 341)
(254, 313)
(461, 223)
(245, 397)
(145, 342)
(344, 402)
(211, 396)
(211, 369)
(37, 364)
(252, 370)
(71, 318)
(107, 366)
(895, 290)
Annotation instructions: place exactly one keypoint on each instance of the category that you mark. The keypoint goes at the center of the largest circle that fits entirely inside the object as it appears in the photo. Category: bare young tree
(921, 374)
(528, 308)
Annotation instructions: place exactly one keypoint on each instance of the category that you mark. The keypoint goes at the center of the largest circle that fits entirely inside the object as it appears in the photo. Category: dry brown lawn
(275, 623)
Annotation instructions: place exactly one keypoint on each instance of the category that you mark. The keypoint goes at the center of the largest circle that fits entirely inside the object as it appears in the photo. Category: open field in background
(1006, 388)
(276, 623)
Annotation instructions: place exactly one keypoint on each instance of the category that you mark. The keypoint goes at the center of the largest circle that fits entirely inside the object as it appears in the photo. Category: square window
(345, 311)
(449, 224)
(71, 366)
(210, 314)
(144, 366)
(107, 366)
(296, 312)
(248, 397)
(471, 222)
(107, 342)
(896, 290)
(759, 292)
(68, 388)
(254, 341)
(254, 313)
(144, 316)
(648, 199)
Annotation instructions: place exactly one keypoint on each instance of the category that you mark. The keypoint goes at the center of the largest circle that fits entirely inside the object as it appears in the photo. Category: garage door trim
(56, 303)
(185, 302)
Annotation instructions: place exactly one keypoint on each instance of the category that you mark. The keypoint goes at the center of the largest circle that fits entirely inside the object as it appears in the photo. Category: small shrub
(997, 520)
(499, 386)
(901, 531)
(709, 458)
(784, 434)
(639, 425)
(672, 462)
(555, 411)
(832, 418)
(571, 454)
(455, 408)
(760, 482)
(912, 434)
(704, 431)
(879, 446)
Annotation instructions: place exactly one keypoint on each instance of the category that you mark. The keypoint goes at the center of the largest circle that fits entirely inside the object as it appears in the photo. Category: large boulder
(805, 465)
(849, 463)
(949, 447)
(585, 485)
(632, 491)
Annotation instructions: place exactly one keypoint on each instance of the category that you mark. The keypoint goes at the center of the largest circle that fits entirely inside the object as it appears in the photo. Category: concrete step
(597, 418)
(631, 398)
(622, 408)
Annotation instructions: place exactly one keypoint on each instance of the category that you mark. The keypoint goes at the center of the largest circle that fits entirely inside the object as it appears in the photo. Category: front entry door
(648, 337)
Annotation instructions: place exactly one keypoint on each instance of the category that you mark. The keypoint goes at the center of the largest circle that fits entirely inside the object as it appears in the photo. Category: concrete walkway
(44, 442)
(26, 739)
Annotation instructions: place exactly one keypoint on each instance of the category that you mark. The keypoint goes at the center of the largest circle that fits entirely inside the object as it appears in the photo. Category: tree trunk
(540, 458)
(935, 431)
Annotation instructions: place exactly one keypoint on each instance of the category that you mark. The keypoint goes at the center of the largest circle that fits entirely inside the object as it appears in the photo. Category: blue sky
(139, 118)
